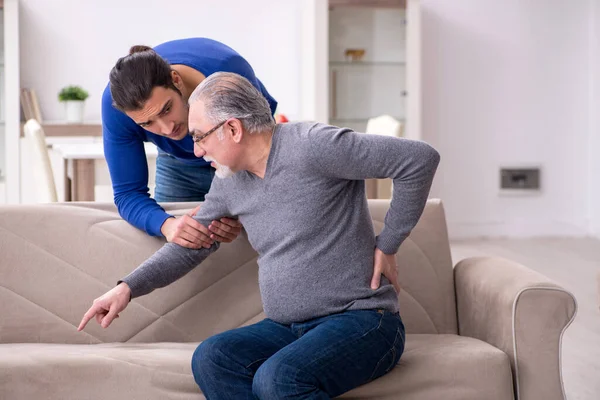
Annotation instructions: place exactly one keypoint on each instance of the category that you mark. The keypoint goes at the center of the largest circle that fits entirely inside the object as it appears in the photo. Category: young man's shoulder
(191, 45)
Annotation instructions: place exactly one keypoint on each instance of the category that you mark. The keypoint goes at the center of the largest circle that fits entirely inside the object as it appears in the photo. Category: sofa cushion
(97, 371)
(433, 366)
(448, 367)
(57, 259)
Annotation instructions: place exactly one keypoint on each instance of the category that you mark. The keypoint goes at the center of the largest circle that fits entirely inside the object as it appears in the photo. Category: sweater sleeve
(343, 153)
(126, 158)
(173, 261)
(164, 267)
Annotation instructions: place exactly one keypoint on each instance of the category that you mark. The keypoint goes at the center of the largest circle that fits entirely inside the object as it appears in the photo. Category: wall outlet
(526, 179)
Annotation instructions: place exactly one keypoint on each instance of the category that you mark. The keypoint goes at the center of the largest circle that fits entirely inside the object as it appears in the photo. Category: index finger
(396, 284)
(194, 211)
(87, 316)
(231, 222)
(376, 280)
(192, 223)
(393, 278)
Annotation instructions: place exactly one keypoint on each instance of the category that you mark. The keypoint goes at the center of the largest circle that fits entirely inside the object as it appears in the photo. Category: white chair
(385, 125)
(388, 126)
(42, 169)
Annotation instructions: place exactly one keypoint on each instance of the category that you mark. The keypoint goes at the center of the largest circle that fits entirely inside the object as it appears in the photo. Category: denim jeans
(179, 181)
(317, 359)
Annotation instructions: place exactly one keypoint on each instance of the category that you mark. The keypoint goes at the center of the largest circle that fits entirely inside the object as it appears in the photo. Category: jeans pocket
(391, 357)
(385, 364)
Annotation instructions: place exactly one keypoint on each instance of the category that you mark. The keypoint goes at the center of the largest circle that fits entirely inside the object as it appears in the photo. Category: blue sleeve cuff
(155, 221)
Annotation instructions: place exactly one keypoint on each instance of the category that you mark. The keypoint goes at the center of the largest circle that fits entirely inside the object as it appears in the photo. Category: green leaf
(72, 93)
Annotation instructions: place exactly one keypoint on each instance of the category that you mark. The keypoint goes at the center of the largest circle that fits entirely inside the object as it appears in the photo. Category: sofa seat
(449, 367)
(433, 366)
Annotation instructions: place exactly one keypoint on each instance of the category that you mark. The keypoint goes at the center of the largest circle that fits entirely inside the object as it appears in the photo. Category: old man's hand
(108, 306)
(385, 264)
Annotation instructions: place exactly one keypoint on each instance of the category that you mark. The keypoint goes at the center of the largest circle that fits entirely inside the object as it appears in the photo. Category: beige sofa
(486, 329)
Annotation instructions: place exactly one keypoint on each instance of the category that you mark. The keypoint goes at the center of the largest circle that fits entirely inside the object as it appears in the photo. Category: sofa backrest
(55, 259)
(427, 300)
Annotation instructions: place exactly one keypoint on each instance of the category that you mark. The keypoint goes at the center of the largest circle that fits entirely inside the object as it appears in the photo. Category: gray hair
(228, 95)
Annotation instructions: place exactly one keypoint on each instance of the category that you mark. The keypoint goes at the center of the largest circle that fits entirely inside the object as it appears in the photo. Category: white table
(79, 159)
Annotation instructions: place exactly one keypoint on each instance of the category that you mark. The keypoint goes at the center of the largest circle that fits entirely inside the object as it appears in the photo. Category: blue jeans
(178, 181)
(317, 359)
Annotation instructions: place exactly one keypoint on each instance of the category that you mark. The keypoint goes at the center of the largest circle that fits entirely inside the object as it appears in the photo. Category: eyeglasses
(198, 138)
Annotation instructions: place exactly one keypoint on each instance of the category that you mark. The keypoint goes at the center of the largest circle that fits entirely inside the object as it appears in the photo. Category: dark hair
(134, 76)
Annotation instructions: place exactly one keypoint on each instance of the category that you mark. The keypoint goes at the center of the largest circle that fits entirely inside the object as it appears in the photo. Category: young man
(146, 100)
(332, 321)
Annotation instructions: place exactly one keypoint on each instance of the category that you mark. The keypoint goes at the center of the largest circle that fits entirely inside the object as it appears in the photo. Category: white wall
(65, 42)
(11, 102)
(594, 140)
(506, 83)
(503, 83)
(314, 91)
(2, 83)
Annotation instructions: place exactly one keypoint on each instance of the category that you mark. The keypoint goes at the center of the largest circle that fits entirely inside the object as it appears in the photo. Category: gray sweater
(309, 222)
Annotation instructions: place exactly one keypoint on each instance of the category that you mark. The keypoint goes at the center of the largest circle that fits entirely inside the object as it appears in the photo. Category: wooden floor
(574, 264)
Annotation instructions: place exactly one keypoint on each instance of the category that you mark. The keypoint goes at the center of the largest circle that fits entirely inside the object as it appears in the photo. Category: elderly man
(298, 188)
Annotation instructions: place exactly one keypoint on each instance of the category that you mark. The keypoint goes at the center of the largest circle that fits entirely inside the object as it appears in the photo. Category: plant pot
(74, 111)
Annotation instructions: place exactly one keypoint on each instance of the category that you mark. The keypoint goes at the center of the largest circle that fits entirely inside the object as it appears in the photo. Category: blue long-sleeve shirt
(124, 139)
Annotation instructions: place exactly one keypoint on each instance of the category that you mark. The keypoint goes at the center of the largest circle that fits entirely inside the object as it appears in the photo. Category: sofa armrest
(522, 313)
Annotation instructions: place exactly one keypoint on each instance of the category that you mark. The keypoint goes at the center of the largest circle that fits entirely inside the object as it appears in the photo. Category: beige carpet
(575, 264)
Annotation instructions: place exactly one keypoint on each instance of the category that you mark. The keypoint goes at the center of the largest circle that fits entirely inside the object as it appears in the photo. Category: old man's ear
(235, 126)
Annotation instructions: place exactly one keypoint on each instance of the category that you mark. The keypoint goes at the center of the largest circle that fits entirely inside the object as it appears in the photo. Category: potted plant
(74, 98)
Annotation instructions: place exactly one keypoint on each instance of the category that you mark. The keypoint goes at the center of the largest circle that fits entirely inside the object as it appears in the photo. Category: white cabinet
(362, 90)
(374, 83)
